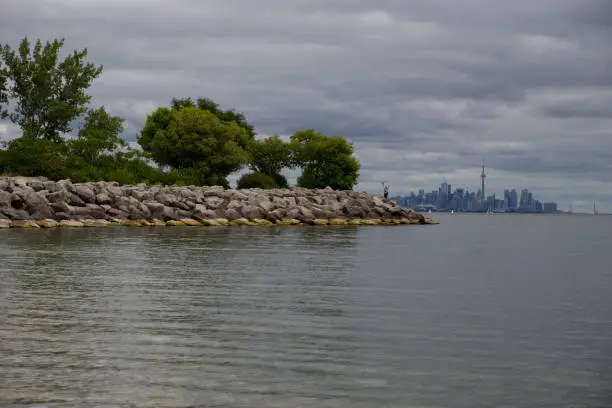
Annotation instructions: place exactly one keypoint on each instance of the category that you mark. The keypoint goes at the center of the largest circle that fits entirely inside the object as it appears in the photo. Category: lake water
(479, 311)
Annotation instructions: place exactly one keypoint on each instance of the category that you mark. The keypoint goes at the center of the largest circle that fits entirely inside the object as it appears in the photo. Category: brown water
(479, 311)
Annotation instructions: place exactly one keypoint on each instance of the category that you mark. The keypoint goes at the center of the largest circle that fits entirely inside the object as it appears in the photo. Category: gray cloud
(425, 89)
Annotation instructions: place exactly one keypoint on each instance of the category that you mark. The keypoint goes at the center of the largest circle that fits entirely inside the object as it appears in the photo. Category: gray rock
(169, 213)
(114, 191)
(63, 195)
(61, 206)
(212, 191)
(213, 202)
(232, 214)
(138, 194)
(13, 213)
(51, 186)
(17, 201)
(60, 216)
(116, 213)
(121, 201)
(200, 212)
(96, 211)
(166, 199)
(5, 198)
(103, 198)
(37, 185)
(252, 212)
(305, 213)
(65, 185)
(38, 207)
(278, 214)
(155, 209)
(85, 193)
(266, 205)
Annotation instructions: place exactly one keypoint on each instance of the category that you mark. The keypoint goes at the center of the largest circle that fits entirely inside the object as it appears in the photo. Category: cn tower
(482, 179)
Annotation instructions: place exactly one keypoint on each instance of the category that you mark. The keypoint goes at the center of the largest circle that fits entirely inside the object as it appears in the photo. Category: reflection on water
(185, 317)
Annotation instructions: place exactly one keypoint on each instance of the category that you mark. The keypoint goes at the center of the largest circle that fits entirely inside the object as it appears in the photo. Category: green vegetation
(189, 142)
(269, 156)
(325, 161)
(256, 180)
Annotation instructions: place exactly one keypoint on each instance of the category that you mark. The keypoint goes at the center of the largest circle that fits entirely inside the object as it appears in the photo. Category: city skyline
(483, 199)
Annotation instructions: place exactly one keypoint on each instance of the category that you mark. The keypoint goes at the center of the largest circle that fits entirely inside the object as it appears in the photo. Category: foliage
(325, 161)
(269, 156)
(195, 141)
(192, 142)
(256, 180)
(35, 157)
(99, 135)
(47, 95)
(213, 107)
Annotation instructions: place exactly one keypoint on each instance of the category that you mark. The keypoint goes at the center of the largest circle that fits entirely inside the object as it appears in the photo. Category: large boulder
(13, 213)
(37, 206)
(85, 193)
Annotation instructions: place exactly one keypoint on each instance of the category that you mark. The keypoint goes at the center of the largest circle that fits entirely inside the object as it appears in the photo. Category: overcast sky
(424, 88)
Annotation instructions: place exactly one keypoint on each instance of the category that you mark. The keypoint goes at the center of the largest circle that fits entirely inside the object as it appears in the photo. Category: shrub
(256, 180)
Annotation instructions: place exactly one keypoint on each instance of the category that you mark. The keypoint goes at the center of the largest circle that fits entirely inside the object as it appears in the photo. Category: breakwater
(38, 202)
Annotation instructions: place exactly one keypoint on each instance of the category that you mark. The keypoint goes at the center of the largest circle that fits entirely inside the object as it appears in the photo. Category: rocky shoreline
(31, 202)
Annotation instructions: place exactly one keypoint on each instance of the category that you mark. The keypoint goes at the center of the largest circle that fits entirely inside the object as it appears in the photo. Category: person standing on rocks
(385, 190)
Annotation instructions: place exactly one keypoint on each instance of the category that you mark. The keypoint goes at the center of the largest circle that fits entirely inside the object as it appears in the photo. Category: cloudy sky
(424, 88)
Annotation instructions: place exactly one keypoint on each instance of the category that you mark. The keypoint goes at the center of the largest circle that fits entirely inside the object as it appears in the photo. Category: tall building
(482, 180)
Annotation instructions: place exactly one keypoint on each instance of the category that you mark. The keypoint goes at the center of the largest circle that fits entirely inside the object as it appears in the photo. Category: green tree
(325, 160)
(195, 142)
(99, 135)
(41, 94)
(269, 156)
(225, 115)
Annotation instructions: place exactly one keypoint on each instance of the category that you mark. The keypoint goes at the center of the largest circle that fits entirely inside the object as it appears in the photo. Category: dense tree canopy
(39, 93)
(325, 161)
(195, 140)
(269, 156)
(192, 142)
(209, 105)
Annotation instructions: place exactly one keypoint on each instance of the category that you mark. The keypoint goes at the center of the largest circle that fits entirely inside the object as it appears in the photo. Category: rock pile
(38, 202)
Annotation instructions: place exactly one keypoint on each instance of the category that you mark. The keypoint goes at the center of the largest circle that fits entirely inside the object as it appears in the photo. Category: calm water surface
(480, 311)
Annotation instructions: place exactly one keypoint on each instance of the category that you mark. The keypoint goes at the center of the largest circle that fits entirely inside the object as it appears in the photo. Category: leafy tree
(269, 156)
(256, 180)
(47, 94)
(213, 107)
(325, 161)
(99, 135)
(195, 142)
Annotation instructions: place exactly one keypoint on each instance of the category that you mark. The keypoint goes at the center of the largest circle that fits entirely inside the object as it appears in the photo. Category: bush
(35, 157)
(256, 180)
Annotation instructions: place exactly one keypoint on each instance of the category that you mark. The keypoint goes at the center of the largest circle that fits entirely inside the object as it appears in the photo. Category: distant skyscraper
(482, 178)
